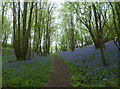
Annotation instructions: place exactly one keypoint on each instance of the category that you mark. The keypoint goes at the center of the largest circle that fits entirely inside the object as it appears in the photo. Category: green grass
(30, 73)
(33, 74)
(81, 78)
(8, 54)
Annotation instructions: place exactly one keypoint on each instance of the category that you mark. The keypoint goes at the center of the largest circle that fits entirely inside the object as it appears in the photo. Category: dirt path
(60, 76)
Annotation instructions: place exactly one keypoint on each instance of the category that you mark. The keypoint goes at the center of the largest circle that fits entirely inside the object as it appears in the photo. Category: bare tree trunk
(117, 7)
(25, 37)
(29, 32)
(18, 37)
(72, 34)
(98, 36)
(56, 49)
(14, 32)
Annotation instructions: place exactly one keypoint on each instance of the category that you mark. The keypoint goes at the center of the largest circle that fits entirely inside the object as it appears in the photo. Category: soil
(60, 76)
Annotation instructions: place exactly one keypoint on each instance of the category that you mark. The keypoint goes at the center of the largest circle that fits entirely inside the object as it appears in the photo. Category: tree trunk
(25, 34)
(103, 56)
(18, 36)
(72, 34)
(98, 36)
(14, 33)
(56, 48)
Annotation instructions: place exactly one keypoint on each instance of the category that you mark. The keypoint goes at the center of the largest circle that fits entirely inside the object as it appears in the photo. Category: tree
(6, 30)
(94, 18)
(116, 18)
(21, 44)
(99, 29)
(68, 26)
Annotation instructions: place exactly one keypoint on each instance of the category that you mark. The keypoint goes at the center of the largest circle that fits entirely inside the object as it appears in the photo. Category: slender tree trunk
(98, 36)
(117, 7)
(3, 10)
(25, 34)
(29, 33)
(72, 34)
(18, 36)
(56, 48)
(40, 30)
(14, 32)
(2, 15)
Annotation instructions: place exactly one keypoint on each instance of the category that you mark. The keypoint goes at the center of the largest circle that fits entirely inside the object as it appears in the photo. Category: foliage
(34, 30)
(5, 30)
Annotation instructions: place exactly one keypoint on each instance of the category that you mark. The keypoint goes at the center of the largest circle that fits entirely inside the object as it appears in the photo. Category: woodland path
(60, 76)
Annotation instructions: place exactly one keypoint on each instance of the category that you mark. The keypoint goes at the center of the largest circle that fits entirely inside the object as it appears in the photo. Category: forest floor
(79, 68)
(60, 76)
(85, 66)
